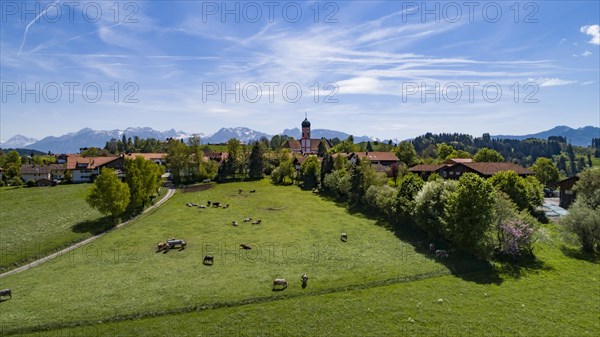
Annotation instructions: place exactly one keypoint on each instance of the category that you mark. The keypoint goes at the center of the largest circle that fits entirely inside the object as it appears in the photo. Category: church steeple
(305, 141)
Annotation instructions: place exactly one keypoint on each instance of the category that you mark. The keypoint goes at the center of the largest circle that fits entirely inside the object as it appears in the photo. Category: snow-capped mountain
(244, 135)
(324, 133)
(72, 142)
(17, 141)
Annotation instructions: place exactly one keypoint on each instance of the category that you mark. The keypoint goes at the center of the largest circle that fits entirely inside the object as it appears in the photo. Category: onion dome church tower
(305, 140)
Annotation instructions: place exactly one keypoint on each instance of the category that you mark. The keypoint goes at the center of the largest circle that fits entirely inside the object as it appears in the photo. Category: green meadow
(379, 282)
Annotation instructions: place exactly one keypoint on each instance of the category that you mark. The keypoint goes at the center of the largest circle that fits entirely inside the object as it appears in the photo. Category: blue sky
(390, 69)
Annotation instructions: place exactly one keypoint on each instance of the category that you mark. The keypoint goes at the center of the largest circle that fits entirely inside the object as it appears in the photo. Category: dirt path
(32, 264)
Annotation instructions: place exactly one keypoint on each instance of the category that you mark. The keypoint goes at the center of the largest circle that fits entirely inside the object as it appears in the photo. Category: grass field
(378, 283)
(37, 221)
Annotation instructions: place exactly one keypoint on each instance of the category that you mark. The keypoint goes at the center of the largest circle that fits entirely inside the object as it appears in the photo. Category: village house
(49, 173)
(86, 169)
(380, 161)
(454, 168)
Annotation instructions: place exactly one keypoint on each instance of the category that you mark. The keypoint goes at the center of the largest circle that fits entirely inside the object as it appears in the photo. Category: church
(306, 145)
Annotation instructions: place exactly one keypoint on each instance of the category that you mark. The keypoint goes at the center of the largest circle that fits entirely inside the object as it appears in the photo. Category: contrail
(31, 23)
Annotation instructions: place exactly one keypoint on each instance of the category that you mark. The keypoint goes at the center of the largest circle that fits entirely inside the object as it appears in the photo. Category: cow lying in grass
(245, 246)
(247, 219)
(344, 237)
(279, 282)
(6, 292)
(234, 223)
(257, 222)
(208, 260)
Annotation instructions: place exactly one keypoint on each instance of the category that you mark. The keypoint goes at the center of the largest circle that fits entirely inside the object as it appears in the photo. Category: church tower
(305, 141)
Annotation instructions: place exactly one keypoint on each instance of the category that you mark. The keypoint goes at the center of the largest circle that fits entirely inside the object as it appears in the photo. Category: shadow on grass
(516, 268)
(95, 226)
(579, 254)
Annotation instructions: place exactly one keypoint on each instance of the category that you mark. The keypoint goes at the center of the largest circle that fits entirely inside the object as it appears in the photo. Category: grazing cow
(441, 253)
(208, 260)
(172, 243)
(257, 222)
(202, 206)
(280, 282)
(304, 280)
(162, 246)
(246, 247)
(234, 223)
(6, 292)
(431, 247)
(216, 204)
(247, 219)
(252, 191)
(344, 237)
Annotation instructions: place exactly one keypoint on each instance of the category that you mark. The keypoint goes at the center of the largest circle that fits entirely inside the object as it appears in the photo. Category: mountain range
(580, 137)
(72, 142)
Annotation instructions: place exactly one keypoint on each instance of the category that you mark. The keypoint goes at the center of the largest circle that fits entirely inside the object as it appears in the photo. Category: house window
(457, 173)
(451, 173)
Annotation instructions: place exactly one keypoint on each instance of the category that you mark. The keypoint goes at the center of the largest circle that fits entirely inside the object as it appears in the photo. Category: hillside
(580, 136)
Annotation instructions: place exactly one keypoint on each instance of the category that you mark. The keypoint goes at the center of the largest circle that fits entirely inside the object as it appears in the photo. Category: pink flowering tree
(516, 237)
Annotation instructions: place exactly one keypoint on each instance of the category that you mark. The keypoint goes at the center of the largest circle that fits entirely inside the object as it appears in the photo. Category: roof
(218, 156)
(39, 169)
(305, 123)
(566, 183)
(294, 145)
(148, 156)
(377, 156)
(426, 168)
(458, 160)
(87, 163)
(489, 169)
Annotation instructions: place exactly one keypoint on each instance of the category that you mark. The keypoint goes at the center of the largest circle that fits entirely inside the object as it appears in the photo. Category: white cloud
(586, 53)
(551, 82)
(593, 31)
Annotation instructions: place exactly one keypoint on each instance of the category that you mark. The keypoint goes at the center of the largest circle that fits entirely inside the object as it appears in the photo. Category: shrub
(430, 207)
(585, 223)
(30, 183)
(516, 237)
(15, 181)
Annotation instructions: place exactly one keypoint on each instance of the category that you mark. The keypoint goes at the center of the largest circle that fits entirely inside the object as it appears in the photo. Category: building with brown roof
(567, 193)
(158, 158)
(39, 172)
(454, 168)
(85, 169)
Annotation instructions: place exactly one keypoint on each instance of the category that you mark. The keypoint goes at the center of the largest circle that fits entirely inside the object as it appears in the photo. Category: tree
(545, 171)
(177, 161)
(285, 169)
(256, 162)
(356, 183)
(310, 172)
(584, 215)
(394, 172)
(584, 222)
(382, 199)
(444, 150)
(588, 188)
(143, 178)
(513, 186)
(326, 167)
(430, 207)
(108, 194)
(471, 215)
(369, 147)
(406, 153)
(486, 155)
(13, 164)
(234, 164)
(410, 185)
(322, 149)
